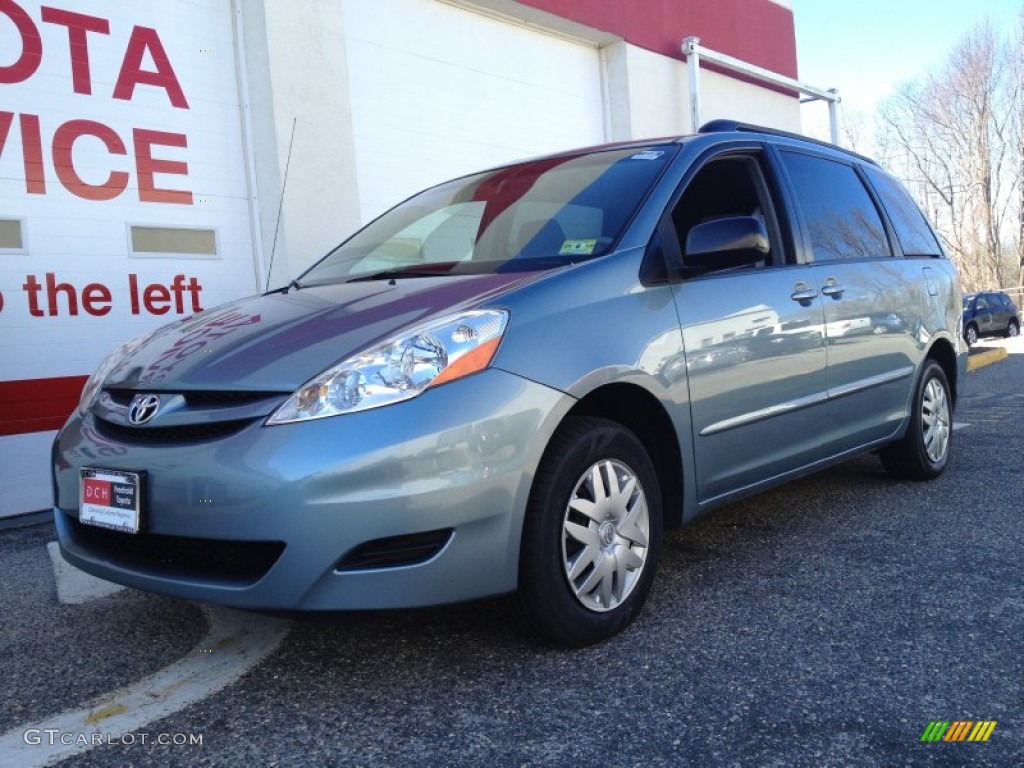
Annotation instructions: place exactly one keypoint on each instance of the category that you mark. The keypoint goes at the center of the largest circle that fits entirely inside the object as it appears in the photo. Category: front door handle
(832, 288)
(803, 293)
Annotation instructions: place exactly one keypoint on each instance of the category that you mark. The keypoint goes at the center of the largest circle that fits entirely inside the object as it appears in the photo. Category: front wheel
(1013, 329)
(924, 451)
(591, 535)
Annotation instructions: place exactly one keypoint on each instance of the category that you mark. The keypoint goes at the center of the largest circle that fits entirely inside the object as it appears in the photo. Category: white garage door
(123, 198)
(438, 91)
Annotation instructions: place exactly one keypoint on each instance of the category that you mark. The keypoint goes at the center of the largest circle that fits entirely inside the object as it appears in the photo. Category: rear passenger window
(841, 217)
(912, 229)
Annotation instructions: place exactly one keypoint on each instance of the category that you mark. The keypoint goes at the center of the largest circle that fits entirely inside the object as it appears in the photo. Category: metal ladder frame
(694, 52)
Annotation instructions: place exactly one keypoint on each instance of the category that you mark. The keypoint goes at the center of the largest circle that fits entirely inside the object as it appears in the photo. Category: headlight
(91, 390)
(400, 368)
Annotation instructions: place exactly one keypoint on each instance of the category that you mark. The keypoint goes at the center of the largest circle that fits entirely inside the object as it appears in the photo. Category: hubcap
(605, 535)
(1013, 329)
(935, 420)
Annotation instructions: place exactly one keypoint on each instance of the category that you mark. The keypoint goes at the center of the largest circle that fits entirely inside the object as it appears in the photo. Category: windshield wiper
(435, 270)
(284, 291)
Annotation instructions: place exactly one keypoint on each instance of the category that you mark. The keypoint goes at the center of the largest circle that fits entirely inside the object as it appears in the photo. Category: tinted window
(912, 230)
(841, 218)
(536, 215)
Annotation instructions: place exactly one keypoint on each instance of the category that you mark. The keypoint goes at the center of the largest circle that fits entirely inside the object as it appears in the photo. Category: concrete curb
(980, 360)
(75, 587)
(235, 642)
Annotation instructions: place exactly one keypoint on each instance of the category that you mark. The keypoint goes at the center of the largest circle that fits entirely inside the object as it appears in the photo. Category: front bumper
(286, 504)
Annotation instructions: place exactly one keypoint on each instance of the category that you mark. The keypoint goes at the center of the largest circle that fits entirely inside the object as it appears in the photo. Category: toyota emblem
(143, 408)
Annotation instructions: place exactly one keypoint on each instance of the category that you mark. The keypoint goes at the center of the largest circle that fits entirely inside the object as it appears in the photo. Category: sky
(865, 48)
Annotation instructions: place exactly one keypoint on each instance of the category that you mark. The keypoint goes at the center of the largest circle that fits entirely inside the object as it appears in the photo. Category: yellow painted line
(980, 360)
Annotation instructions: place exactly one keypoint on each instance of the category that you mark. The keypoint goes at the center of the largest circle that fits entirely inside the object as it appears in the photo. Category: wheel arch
(642, 413)
(943, 353)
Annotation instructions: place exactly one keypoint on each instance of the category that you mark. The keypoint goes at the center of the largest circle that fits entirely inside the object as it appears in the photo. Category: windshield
(534, 216)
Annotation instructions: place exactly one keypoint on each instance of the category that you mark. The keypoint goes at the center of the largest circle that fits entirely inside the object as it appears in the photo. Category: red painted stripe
(758, 31)
(38, 405)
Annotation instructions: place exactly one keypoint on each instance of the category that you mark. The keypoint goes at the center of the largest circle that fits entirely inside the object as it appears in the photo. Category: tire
(589, 550)
(971, 335)
(923, 452)
(1012, 329)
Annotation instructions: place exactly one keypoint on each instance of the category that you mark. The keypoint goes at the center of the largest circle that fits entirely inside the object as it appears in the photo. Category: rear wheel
(924, 451)
(971, 335)
(591, 535)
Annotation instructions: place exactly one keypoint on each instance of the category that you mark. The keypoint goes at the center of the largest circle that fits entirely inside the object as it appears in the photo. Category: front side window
(533, 216)
(841, 218)
(725, 188)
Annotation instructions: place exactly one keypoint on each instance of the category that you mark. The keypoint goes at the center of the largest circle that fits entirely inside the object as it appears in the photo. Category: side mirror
(736, 241)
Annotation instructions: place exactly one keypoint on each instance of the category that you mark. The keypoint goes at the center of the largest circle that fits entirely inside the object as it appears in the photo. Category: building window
(173, 241)
(10, 235)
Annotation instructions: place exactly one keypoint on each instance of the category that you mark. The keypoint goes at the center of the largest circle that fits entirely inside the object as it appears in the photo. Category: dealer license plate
(111, 498)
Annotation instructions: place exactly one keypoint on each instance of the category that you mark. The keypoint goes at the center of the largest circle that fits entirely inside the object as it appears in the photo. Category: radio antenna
(280, 205)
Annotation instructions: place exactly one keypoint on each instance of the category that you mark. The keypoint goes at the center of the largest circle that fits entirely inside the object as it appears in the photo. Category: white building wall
(295, 55)
(438, 91)
(649, 95)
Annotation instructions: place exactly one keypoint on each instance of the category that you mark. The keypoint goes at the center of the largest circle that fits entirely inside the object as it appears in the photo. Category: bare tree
(855, 130)
(1017, 73)
(955, 138)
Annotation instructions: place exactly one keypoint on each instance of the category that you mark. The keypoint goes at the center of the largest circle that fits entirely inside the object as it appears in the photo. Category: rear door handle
(832, 288)
(803, 293)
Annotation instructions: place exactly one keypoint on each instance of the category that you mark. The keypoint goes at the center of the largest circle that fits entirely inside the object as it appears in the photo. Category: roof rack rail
(723, 125)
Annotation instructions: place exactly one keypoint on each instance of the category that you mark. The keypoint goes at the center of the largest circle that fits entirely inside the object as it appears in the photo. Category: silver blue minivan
(518, 380)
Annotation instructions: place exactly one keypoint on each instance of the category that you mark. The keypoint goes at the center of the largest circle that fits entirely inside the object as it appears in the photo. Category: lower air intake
(395, 551)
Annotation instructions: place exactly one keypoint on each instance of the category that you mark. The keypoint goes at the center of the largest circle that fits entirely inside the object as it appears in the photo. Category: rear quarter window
(912, 229)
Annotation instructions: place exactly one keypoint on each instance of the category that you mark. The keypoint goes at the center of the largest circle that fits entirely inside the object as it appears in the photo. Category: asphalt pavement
(826, 623)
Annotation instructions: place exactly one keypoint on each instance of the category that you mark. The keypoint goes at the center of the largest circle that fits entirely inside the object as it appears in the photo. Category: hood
(278, 341)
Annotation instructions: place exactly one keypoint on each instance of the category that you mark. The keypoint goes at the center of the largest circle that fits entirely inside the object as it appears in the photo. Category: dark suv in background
(989, 314)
